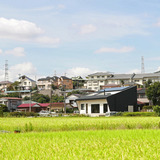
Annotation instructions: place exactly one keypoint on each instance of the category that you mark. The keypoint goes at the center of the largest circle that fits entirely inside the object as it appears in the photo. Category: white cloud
(48, 40)
(114, 50)
(85, 29)
(61, 6)
(134, 71)
(25, 68)
(22, 30)
(79, 71)
(18, 51)
(1, 51)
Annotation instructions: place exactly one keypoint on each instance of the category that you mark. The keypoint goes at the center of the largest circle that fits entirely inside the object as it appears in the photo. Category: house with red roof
(37, 107)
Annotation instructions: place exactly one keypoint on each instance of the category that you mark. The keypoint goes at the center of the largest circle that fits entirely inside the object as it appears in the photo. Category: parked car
(44, 113)
(110, 113)
(77, 111)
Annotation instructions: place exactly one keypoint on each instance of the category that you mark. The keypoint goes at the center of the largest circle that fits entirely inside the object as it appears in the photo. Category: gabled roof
(64, 77)
(5, 82)
(23, 77)
(54, 78)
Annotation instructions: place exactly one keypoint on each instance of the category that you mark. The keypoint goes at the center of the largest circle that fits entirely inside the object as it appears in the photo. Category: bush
(23, 114)
(147, 107)
(135, 114)
(142, 114)
(156, 109)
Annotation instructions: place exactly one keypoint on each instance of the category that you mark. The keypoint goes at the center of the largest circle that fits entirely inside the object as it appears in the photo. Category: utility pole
(6, 71)
(142, 65)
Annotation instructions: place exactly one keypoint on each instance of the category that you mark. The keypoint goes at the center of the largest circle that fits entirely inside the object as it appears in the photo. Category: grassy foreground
(104, 144)
(78, 123)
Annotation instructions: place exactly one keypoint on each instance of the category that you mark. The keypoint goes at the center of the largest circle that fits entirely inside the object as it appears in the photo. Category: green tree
(3, 108)
(40, 98)
(56, 98)
(153, 93)
(157, 110)
(148, 83)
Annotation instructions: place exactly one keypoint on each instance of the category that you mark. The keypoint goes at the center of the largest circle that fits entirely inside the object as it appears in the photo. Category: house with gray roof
(121, 99)
(96, 80)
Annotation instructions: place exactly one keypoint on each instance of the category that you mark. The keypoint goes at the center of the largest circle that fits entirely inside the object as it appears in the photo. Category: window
(82, 106)
(95, 108)
(102, 76)
(105, 108)
(98, 76)
(25, 83)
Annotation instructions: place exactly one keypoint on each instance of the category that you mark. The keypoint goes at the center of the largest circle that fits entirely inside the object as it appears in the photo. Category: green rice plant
(66, 145)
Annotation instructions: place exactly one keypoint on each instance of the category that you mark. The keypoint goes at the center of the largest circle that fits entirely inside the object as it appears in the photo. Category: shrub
(135, 114)
(156, 109)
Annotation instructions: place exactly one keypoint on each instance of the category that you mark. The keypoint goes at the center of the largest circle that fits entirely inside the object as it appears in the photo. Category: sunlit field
(78, 123)
(80, 138)
(102, 144)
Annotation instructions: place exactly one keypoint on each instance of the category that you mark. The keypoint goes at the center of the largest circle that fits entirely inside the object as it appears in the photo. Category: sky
(42, 38)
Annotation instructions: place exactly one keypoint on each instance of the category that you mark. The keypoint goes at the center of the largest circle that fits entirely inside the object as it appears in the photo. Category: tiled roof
(40, 104)
(11, 98)
(5, 82)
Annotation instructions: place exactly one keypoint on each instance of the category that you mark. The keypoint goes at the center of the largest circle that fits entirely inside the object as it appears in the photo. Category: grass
(112, 138)
(103, 144)
(78, 123)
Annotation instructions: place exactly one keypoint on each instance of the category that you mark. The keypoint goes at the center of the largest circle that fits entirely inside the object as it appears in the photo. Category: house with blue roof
(26, 83)
(121, 99)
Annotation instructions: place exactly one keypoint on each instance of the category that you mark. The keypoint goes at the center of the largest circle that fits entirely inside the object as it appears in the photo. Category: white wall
(89, 102)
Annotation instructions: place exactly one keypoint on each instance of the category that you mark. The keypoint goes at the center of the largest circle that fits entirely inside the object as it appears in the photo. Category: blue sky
(78, 37)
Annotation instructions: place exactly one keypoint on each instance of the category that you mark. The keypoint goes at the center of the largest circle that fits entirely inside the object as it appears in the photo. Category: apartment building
(101, 80)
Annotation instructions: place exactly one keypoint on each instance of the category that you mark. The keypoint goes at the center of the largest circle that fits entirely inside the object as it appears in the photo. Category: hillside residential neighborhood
(97, 94)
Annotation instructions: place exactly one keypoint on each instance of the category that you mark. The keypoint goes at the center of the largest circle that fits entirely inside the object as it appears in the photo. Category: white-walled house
(109, 100)
(26, 83)
(71, 100)
(98, 80)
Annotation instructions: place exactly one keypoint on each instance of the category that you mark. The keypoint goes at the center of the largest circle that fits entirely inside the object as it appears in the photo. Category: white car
(44, 113)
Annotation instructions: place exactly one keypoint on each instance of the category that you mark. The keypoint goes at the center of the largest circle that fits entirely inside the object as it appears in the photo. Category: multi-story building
(26, 83)
(47, 83)
(65, 82)
(97, 80)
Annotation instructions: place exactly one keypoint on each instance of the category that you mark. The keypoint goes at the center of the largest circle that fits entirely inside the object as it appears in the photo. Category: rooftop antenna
(142, 65)
(6, 71)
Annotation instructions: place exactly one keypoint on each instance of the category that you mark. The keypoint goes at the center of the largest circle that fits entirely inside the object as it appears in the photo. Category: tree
(56, 98)
(40, 98)
(157, 109)
(3, 108)
(148, 83)
(153, 93)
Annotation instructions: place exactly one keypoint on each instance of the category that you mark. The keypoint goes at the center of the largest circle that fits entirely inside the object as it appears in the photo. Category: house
(4, 85)
(122, 99)
(78, 82)
(26, 83)
(142, 99)
(47, 83)
(11, 102)
(71, 100)
(37, 107)
(65, 83)
(96, 80)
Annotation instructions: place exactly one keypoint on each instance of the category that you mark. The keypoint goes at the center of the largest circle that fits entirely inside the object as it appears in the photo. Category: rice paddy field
(80, 138)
